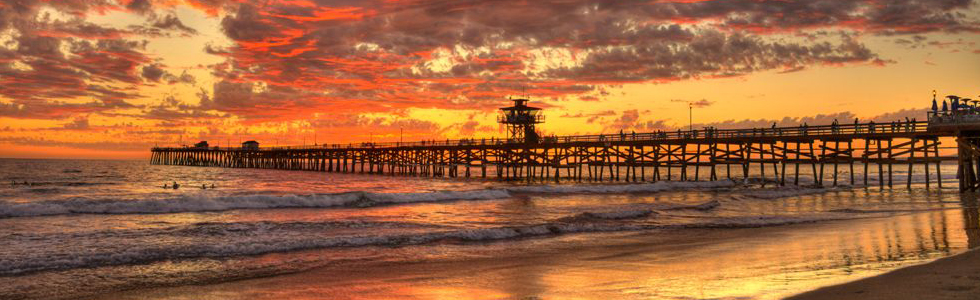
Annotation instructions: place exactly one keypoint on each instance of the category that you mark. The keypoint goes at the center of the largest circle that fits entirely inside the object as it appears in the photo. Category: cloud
(472, 54)
(163, 26)
(366, 62)
(695, 103)
(79, 123)
(153, 72)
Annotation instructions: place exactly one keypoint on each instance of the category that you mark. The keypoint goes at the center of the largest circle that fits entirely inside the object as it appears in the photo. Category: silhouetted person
(176, 186)
(212, 185)
(945, 107)
(204, 186)
(166, 186)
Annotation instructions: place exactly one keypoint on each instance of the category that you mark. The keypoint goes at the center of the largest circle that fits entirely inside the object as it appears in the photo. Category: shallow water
(92, 227)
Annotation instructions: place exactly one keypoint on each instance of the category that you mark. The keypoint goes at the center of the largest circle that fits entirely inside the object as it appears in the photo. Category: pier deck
(776, 155)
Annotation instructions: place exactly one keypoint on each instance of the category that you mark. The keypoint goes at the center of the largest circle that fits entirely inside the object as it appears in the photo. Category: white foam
(784, 192)
(610, 215)
(203, 203)
(216, 240)
(703, 206)
(623, 188)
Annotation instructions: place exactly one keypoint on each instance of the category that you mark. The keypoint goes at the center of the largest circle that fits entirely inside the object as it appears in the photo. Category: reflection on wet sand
(759, 263)
(971, 219)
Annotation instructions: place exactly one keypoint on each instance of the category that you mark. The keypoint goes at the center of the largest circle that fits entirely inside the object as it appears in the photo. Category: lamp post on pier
(690, 116)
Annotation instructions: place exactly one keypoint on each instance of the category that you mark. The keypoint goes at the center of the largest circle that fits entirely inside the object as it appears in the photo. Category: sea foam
(203, 203)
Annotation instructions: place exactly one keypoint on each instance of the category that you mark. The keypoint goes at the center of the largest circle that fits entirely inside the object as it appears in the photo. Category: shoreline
(951, 277)
(619, 266)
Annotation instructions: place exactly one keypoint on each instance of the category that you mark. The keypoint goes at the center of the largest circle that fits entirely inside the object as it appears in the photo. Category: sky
(111, 79)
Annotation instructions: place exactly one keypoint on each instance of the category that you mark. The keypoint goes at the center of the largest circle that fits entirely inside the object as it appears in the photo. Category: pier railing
(841, 130)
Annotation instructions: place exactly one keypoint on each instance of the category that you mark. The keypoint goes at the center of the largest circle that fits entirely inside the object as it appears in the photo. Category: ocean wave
(702, 207)
(219, 240)
(609, 215)
(204, 203)
(623, 188)
(785, 192)
(885, 211)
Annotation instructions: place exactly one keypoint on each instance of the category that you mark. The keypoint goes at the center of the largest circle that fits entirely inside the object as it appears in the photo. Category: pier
(829, 154)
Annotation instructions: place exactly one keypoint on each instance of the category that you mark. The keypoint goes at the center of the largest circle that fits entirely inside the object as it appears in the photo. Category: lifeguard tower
(520, 120)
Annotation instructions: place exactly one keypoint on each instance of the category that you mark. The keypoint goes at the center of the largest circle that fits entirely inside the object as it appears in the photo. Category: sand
(759, 263)
(954, 277)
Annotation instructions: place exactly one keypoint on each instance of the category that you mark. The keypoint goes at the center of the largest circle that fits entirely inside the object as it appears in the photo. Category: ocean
(102, 228)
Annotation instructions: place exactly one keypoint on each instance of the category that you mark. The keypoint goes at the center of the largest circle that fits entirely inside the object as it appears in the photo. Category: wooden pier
(773, 155)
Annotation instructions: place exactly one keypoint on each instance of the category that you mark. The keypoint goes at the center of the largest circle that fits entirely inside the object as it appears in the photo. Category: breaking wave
(202, 203)
(219, 240)
(785, 192)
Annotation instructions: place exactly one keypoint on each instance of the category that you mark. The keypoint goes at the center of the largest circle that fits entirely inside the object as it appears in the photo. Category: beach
(108, 230)
(704, 264)
(955, 277)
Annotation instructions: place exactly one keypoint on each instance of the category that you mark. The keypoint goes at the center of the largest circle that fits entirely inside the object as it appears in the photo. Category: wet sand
(955, 277)
(758, 263)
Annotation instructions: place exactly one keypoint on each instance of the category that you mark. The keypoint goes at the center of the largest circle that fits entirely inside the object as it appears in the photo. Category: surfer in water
(176, 185)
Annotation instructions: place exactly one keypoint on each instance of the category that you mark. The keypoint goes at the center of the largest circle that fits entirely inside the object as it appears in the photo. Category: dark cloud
(153, 72)
(246, 24)
(695, 103)
(290, 59)
(156, 73)
(79, 123)
(94, 145)
(163, 26)
(388, 54)
(141, 6)
(172, 109)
